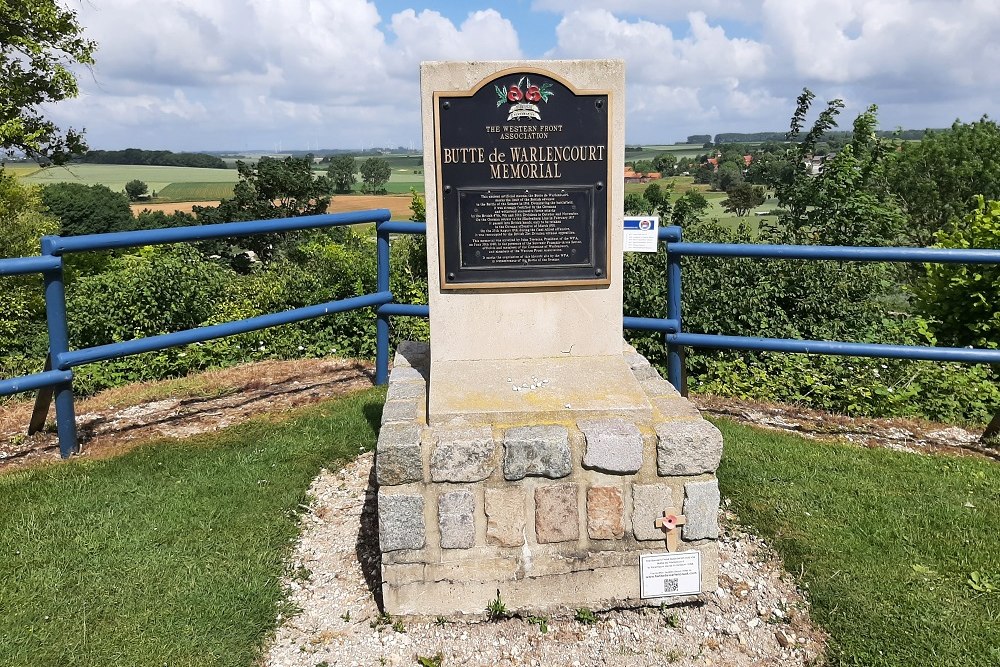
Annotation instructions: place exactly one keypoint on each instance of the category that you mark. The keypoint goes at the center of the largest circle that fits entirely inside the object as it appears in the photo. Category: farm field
(190, 184)
(188, 192)
(399, 205)
(115, 176)
(715, 211)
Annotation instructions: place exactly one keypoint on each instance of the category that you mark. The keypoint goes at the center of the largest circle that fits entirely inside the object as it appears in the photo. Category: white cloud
(484, 35)
(199, 74)
(308, 67)
(660, 10)
(908, 44)
(672, 80)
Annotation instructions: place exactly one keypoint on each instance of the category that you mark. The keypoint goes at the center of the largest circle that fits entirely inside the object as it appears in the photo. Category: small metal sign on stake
(673, 573)
(641, 234)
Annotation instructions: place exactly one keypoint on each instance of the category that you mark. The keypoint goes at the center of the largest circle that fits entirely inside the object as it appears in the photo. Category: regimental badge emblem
(523, 98)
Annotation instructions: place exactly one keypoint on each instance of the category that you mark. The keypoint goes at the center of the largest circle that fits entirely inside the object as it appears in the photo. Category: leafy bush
(23, 337)
(326, 266)
(87, 209)
(964, 299)
(158, 290)
(805, 300)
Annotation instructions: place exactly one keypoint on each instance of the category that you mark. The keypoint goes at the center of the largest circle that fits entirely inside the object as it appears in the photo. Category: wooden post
(670, 524)
(43, 399)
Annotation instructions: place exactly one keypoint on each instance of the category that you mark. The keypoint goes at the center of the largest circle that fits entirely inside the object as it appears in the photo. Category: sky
(313, 74)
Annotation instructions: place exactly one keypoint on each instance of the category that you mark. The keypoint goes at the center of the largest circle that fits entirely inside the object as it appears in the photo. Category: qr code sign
(670, 585)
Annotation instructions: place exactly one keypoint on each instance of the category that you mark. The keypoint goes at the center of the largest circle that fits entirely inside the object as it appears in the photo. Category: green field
(649, 152)
(715, 211)
(115, 176)
(176, 192)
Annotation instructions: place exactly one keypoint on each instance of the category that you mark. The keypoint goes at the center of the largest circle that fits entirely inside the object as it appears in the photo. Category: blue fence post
(382, 321)
(675, 358)
(55, 314)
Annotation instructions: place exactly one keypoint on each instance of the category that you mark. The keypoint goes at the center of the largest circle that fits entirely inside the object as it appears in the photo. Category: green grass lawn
(171, 554)
(885, 541)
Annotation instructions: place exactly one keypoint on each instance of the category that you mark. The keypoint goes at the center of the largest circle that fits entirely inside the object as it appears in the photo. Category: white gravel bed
(756, 617)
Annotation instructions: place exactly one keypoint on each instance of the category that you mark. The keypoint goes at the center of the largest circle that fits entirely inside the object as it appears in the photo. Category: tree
(87, 209)
(688, 208)
(964, 299)
(343, 172)
(635, 204)
(665, 163)
(375, 173)
(704, 174)
(135, 189)
(850, 202)
(744, 197)
(272, 189)
(22, 224)
(729, 175)
(644, 166)
(936, 179)
(654, 195)
(39, 40)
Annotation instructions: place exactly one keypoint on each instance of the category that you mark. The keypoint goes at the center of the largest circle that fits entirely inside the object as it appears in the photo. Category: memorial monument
(528, 449)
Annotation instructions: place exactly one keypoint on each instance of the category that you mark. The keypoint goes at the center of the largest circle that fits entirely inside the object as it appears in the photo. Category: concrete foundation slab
(535, 391)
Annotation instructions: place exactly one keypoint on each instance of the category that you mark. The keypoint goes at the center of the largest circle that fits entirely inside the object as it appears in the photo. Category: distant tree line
(154, 158)
(841, 137)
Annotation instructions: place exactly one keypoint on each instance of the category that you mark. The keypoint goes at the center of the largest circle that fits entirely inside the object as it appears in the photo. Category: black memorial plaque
(523, 173)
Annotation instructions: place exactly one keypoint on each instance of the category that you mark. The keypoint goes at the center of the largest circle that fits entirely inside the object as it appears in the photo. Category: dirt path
(399, 205)
(116, 420)
(916, 436)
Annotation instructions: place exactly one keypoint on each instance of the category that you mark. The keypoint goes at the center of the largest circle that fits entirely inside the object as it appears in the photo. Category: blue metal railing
(50, 265)
(676, 338)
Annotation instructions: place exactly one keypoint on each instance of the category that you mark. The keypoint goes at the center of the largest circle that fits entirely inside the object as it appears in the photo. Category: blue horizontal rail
(651, 324)
(878, 350)
(843, 253)
(19, 266)
(670, 233)
(406, 309)
(403, 227)
(33, 382)
(57, 245)
(163, 341)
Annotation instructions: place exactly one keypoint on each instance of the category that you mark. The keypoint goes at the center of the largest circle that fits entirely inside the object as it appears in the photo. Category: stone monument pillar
(529, 449)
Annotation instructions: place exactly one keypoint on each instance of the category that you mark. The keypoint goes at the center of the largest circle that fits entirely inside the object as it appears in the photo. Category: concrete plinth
(552, 507)
(535, 391)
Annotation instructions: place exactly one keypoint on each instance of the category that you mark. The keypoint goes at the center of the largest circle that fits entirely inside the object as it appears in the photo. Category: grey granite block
(613, 445)
(649, 501)
(411, 353)
(406, 374)
(463, 454)
(405, 410)
(538, 451)
(404, 390)
(456, 518)
(701, 510)
(687, 448)
(397, 455)
(400, 521)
